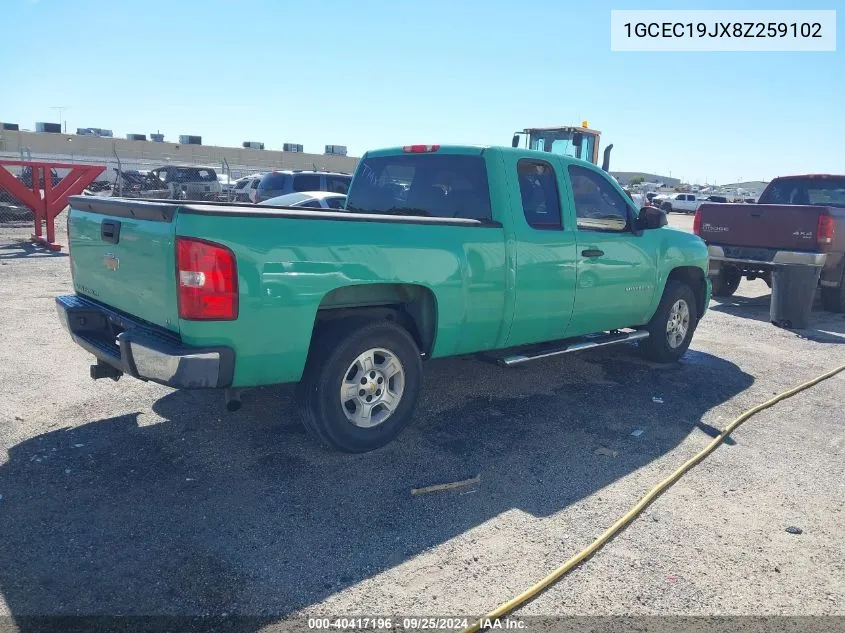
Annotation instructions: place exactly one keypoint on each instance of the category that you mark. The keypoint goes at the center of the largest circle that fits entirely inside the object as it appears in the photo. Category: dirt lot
(130, 498)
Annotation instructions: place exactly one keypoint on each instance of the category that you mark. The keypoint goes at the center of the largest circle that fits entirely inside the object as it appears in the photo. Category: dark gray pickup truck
(798, 221)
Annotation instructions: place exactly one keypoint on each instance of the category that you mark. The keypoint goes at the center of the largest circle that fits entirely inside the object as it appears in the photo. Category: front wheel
(671, 328)
(361, 385)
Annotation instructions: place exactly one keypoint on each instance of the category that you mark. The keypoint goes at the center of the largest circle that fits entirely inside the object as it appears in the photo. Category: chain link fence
(142, 177)
(13, 212)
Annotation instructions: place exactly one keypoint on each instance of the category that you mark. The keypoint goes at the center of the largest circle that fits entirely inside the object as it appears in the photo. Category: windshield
(438, 185)
(828, 192)
(560, 142)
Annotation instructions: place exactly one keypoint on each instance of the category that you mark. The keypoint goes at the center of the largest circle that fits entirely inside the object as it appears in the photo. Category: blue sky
(373, 73)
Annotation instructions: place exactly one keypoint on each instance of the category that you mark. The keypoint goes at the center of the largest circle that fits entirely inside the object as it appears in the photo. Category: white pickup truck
(681, 202)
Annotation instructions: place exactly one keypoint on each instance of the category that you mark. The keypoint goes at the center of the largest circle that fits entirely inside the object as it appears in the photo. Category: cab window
(598, 205)
(540, 198)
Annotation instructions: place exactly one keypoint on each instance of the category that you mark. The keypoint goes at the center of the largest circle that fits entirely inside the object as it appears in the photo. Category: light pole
(61, 110)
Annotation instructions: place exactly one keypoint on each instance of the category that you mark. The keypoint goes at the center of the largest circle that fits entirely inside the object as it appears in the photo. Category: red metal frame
(47, 207)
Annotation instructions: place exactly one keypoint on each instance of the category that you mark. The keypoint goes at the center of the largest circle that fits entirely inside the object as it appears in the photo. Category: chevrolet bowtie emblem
(111, 262)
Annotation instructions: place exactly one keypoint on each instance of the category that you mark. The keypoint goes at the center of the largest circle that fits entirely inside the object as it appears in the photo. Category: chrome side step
(603, 341)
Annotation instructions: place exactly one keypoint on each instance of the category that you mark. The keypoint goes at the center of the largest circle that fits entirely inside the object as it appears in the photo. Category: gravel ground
(131, 498)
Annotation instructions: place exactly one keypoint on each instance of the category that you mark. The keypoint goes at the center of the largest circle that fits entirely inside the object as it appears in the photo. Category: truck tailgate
(123, 255)
(775, 226)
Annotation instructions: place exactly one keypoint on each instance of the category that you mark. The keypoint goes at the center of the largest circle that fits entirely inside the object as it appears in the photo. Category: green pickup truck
(441, 251)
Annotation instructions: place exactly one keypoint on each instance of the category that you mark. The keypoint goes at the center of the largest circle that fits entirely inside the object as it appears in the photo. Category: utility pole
(61, 110)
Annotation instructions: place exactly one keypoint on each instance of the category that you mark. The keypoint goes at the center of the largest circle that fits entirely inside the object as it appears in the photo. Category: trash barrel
(793, 292)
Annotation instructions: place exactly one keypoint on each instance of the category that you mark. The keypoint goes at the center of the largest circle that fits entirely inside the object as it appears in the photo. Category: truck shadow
(211, 513)
(21, 249)
(825, 327)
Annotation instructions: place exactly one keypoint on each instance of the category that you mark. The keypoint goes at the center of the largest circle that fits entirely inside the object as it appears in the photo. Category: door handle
(110, 231)
(592, 252)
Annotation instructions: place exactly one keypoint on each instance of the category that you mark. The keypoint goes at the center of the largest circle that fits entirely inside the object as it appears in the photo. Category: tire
(833, 299)
(341, 354)
(726, 282)
(667, 207)
(662, 345)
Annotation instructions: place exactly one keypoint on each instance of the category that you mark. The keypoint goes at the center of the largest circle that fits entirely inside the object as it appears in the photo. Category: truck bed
(288, 261)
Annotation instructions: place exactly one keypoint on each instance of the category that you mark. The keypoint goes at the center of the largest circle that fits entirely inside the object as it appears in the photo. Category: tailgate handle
(110, 231)
(756, 215)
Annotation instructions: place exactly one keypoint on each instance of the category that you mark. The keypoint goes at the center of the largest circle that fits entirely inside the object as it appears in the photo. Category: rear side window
(338, 184)
(435, 185)
(540, 198)
(598, 205)
(274, 182)
(307, 182)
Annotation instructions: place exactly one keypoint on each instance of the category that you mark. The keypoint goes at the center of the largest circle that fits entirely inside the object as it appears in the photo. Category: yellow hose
(533, 591)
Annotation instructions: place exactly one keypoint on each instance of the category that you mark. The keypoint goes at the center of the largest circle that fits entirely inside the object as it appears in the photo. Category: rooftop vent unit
(253, 145)
(336, 150)
(136, 137)
(12, 127)
(49, 128)
(187, 139)
(292, 147)
(157, 138)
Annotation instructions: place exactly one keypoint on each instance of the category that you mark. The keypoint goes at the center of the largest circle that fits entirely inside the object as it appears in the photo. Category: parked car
(798, 221)
(308, 199)
(190, 183)
(226, 182)
(681, 202)
(246, 188)
(719, 199)
(638, 199)
(279, 183)
(479, 253)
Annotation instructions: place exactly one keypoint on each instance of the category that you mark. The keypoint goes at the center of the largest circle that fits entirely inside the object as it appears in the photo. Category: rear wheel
(833, 299)
(361, 385)
(727, 281)
(671, 327)
(667, 207)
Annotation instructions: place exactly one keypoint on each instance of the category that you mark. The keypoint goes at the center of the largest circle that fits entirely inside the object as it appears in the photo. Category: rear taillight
(696, 223)
(420, 149)
(825, 230)
(207, 278)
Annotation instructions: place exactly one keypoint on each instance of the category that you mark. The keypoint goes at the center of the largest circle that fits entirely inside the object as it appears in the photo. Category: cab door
(544, 282)
(616, 268)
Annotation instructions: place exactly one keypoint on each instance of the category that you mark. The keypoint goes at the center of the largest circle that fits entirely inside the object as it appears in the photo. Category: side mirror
(515, 141)
(651, 218)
